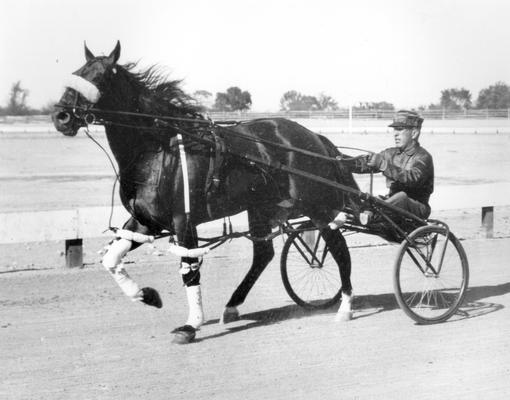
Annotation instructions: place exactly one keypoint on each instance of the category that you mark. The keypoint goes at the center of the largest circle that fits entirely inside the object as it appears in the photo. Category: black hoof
(151, 297)
(184, 334)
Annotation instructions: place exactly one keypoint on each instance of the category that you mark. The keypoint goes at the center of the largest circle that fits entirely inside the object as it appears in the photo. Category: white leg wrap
(196, 313)
(112, 261)
(134, 236)
(345, 311)
(339, 221)
(180, 251)
(186, 268)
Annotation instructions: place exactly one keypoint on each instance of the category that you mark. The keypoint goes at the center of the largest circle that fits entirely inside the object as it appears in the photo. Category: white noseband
(84, 87)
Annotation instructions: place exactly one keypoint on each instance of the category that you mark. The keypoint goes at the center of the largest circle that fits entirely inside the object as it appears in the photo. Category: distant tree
(288, 100)
(204, 98)
(234, 99)
(310, 103)
(433, 106)
(295, 101)
(495, 96)
(327, 103)
(455, 99)
(17, 100)
(383, 105)
(370, 105)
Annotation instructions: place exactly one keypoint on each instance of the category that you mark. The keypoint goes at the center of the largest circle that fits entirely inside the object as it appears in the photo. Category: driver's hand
(375, 160)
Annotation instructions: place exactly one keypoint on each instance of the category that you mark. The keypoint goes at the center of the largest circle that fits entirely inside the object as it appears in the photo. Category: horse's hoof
(343, 316)
(230, 314)
(184, 334)
(151, 297)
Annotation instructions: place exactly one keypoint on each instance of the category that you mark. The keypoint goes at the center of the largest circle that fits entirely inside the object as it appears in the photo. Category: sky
(401, 51)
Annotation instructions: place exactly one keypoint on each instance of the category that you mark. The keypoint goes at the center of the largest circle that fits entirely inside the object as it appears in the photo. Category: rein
(90, 118)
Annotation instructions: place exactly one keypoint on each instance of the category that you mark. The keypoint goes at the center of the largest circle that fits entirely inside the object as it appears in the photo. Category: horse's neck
(124, 144)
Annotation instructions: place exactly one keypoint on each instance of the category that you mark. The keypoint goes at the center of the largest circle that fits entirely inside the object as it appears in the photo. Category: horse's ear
(88, 54)
(115, 54)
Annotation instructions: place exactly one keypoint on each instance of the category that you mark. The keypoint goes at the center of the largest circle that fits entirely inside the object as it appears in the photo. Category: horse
(152, 154)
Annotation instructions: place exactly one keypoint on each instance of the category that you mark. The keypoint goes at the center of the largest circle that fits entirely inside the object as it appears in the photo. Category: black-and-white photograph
(280, 199)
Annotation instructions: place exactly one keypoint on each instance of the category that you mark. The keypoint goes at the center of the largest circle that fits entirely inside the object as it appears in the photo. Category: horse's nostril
(63, 117)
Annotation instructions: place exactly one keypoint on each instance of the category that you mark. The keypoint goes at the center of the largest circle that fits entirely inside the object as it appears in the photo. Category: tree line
(496, 96)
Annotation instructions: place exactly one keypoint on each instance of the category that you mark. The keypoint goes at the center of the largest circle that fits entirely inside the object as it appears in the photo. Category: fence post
(74, 253)
(350, 118)
(488, 221)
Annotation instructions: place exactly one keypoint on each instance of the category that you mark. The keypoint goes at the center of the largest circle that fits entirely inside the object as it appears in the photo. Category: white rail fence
(343, 113)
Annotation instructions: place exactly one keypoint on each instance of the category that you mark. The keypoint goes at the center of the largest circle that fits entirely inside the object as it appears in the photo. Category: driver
(408, 167)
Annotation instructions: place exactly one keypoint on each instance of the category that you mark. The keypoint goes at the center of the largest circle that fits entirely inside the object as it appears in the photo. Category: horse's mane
(158, 95)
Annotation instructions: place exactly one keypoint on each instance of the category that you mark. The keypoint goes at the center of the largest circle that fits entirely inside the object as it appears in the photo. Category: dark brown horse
(221, 183)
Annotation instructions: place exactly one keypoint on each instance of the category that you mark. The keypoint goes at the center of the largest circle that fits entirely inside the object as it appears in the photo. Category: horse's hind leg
(263, 253)
(112, 261)
(340, 252)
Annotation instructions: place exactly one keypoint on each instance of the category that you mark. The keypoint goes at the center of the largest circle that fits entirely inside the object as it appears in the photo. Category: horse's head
(84, 90)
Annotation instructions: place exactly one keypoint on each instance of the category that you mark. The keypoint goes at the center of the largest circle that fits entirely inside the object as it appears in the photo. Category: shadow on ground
(366, 306)
(473, 307)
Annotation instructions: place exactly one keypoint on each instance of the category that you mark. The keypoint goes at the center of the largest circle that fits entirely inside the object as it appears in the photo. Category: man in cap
(408, 167)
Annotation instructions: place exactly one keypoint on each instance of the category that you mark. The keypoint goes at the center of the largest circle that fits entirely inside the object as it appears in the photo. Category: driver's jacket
(410, 171)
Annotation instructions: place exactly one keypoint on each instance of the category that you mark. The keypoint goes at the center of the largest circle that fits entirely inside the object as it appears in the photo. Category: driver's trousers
(402, 200)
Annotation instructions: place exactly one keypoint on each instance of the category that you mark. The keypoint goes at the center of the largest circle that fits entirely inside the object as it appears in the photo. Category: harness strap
(215, 163)
(185, 176)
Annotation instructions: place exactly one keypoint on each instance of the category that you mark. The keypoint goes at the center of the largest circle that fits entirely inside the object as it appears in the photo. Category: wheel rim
(311, 275)
(431, 292)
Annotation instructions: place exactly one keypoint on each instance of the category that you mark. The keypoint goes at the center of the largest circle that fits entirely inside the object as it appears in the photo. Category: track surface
(72, 335)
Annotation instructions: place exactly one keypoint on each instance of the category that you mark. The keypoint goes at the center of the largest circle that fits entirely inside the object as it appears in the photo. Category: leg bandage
(187, 267)
(339, 221)
(196, 313)
(112, 261)
(345, 313)
(134, 236)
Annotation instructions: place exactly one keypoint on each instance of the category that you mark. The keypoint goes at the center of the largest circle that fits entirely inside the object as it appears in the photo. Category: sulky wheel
(309, 273)
(431, 275)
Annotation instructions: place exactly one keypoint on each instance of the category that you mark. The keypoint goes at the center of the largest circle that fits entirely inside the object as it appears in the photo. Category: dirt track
(72, 335)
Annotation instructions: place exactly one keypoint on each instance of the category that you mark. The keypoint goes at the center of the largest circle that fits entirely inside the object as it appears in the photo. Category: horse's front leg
(190, 273)
(129, 238)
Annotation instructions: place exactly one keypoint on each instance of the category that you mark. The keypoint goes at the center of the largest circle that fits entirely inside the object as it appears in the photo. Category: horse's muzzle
(65, 123)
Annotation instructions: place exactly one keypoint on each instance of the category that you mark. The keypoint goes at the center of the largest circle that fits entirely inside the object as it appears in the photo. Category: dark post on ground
(74, 253)
(488, 221)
